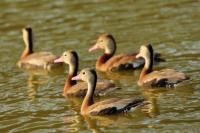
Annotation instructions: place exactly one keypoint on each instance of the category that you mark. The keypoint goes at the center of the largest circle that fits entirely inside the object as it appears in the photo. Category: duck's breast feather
(118, 60)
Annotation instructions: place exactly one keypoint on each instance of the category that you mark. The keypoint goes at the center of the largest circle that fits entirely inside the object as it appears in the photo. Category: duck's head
(68, 57)
(86, 75)
(105, 42)
(146, 51)
(27, 35)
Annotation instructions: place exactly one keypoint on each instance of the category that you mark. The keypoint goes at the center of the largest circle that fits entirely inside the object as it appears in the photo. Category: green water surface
(34, 103)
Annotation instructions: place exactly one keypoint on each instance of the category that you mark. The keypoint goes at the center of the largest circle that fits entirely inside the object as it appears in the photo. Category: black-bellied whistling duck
(72, 88)
(163, 78)
(30, 59)
(109, 62)
(106, 107)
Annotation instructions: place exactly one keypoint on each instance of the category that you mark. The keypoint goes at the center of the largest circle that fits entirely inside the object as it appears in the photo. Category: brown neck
(149, 60)
(143, 73)
(73, 69)
(108, 53)
(88, 100)
(26, 52)
(68, 84)
(102, 59)
(29, 46)
(148, 66)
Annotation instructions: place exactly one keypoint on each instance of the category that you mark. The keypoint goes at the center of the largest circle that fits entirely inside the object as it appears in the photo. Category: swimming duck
(106, 107)
(162, 78)
(30, 59)
(72, 88)
(110, 62)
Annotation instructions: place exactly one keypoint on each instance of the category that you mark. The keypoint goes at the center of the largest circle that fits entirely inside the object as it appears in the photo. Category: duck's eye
(65, 54)
(83, 73)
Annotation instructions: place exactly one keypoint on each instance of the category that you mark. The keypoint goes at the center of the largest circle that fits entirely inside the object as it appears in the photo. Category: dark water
(33, 103)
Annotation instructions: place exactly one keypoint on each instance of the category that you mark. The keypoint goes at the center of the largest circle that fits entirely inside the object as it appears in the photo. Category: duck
(79, 89)
(111, 62)
(30, 59)
(168, 78)
(107, 107)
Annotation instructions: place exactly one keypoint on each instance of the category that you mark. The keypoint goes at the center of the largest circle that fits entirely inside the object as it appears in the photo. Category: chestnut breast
(116, 61)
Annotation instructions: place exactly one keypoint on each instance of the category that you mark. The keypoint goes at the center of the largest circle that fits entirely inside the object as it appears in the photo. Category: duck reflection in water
(38, 77)
(155, 97)
(151, 96)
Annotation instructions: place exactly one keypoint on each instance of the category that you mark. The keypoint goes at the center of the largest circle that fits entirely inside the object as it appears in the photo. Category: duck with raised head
(106, 107)
(30, 59)
(163, 78)
(110, 62)
(72, 88)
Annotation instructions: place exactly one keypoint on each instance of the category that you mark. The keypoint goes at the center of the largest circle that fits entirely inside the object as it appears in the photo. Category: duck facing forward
(72, 88)
(30, 60)
(106, 107)
(110, 62)
(164, 78)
